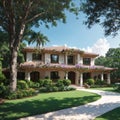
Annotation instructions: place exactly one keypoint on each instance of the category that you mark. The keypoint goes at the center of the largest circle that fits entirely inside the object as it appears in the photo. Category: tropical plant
(39, 38)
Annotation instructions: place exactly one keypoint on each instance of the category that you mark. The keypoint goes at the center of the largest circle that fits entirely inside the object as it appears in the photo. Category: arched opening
(34, 76)
(71, 76)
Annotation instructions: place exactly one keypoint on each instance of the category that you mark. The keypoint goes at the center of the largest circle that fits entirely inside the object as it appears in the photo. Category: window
(36, 56)
(86, 61)
(70, 60)
(54, 75)
(54, 58)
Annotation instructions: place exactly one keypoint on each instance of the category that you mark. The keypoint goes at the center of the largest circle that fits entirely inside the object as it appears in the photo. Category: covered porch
(78, 74)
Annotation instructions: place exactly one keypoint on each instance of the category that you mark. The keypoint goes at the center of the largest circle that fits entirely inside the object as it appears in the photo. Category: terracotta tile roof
(56, 48)
(87, 54)
(60, 49)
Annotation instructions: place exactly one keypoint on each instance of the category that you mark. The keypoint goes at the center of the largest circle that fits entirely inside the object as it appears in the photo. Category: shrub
(41, 82)
(60, 83)
(90, 81)
(47, 82)
(66, 82)
(49, 88)
(61, 88)
(55, 89)
(21, 94)
(4, 90)
(11, 96)
(70, 88)
(22, 84)
(30, 84)
(36, 84)
(100, 82)
(43, 89)
(2, 77)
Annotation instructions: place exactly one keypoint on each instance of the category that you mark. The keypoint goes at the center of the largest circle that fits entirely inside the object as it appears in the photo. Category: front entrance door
(71, 76)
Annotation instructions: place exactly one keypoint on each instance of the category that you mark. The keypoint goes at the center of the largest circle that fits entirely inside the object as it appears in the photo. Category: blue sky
(75, 34)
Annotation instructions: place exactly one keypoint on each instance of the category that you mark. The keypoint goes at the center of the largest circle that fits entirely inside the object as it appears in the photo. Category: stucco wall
(61, 58)
(47, 58)
(61, 74)
(92, 61)
(47, 74)
(78, 58)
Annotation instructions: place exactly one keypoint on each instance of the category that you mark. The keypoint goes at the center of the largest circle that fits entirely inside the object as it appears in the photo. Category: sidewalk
(107, 102)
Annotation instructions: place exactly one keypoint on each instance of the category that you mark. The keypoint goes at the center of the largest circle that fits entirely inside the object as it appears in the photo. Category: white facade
(62, 58)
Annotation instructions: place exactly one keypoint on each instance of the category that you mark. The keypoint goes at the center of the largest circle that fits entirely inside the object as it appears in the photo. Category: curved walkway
(107, 102)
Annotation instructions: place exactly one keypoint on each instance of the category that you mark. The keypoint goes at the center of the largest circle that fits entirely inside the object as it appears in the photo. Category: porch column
(77, 78)
(27, 76)
(78, 58)
(81, 79)
(102, 76)
(108, 78)
(66, 75)
(66, 59)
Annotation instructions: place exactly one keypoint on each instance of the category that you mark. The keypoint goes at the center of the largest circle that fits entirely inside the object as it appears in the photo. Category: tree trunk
(13, 69)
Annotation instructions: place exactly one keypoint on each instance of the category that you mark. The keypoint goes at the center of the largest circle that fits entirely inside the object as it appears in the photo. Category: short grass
(43, 103)
(112, 115)
(110, 89)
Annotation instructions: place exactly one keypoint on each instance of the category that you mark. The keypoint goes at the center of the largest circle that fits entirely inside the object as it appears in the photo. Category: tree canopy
(112, 59)
(103, 12)
(17, 17)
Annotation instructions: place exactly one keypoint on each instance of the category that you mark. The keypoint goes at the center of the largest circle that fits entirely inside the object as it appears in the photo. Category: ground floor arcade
(76, 77)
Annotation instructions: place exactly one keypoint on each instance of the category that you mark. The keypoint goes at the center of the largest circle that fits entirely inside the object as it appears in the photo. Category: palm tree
(38, 38)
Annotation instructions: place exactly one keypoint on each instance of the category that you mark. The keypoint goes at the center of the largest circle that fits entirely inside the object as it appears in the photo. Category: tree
(112, 59)
(18, 16)
(103, 12)
(100, 61)
(39, 38)
(5, 52)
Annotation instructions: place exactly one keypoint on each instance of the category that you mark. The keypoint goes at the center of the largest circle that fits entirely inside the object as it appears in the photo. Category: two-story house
(62, 62)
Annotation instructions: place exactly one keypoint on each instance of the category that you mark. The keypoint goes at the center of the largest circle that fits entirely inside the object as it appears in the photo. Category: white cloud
(100, 47)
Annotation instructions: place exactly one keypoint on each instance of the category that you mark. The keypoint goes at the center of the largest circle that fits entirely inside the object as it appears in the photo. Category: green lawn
(112, 115)
(105, 89)
(43, 103)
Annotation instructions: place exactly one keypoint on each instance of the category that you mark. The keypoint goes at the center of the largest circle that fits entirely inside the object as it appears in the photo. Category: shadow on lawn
(111, 115)
(11, 111)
